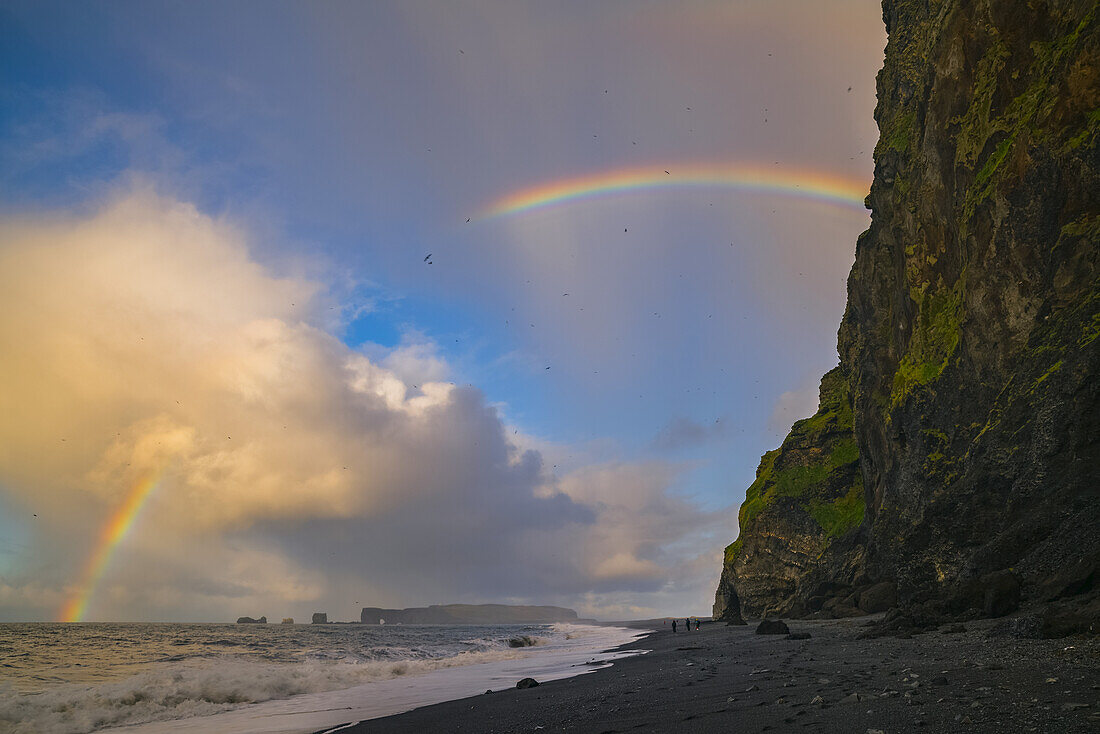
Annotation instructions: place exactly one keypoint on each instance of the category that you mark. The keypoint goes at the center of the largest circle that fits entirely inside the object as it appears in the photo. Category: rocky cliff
(808, 497)
(969, 346)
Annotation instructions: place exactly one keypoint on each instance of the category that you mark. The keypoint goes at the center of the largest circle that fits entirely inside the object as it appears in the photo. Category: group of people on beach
(687, 624)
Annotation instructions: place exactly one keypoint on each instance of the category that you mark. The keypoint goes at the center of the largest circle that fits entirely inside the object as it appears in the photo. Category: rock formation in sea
(320, 618)
(953, 468)
(250, 620)
(469, 614)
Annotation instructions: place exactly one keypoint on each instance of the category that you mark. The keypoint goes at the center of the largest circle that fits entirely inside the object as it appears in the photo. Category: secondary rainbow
(751, 178)
(111, 535)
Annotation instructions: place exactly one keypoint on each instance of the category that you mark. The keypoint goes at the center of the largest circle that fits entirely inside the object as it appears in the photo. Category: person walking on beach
(687, 624)
(674, 626)
(696, 624)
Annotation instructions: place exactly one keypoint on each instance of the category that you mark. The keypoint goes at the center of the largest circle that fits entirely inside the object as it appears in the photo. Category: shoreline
(574, 651)
(724, 677)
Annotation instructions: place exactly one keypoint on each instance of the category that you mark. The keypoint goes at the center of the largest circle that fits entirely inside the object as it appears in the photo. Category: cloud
(295, 471)
(681, 433)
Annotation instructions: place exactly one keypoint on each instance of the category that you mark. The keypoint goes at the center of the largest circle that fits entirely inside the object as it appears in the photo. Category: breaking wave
(174, 692)
(85, 692)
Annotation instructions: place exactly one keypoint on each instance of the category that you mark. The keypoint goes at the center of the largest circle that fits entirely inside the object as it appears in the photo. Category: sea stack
(250, 620)
(320, 618)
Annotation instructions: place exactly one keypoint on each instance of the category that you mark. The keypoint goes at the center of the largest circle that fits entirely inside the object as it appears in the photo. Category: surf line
(111, 535)
(751, 178)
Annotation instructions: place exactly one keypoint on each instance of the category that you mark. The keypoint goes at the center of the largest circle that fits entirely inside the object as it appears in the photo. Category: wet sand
(730, 679)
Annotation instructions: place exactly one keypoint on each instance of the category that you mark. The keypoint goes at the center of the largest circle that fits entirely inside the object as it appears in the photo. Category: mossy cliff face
(970, 340)
(808, 494)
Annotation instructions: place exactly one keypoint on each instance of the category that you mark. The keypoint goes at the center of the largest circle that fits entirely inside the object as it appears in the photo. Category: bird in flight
(427, 257)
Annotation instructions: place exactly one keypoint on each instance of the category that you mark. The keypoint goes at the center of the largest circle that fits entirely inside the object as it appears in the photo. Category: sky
(313, 306)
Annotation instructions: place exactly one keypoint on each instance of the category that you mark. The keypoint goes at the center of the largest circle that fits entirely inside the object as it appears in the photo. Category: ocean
(154, 678)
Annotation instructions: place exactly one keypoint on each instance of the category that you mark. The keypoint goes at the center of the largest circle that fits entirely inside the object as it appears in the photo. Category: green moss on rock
(732, 551)
(842, 514)
(818, 463)
(933, 342)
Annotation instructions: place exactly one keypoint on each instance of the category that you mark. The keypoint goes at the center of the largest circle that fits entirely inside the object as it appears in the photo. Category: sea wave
(201, 688)
(526, 641)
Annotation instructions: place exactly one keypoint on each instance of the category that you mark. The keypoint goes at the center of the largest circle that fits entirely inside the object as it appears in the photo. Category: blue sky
(345, 141)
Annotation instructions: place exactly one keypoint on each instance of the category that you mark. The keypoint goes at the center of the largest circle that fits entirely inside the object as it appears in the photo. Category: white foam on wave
(240, 697)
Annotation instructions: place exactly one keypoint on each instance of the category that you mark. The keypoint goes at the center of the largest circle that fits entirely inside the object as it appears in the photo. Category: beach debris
(527, 683)
(817, 701)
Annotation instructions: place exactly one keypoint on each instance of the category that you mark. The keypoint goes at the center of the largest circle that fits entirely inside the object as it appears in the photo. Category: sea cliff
(968, 349)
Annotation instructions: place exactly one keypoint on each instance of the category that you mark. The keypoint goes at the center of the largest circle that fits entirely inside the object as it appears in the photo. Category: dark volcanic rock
(879, 597)
(727, 605)
(1001, 593)
(970, 345)
(1070, 618)
(527, 683)
(1078, 578)
(772, 627)
(250, 620)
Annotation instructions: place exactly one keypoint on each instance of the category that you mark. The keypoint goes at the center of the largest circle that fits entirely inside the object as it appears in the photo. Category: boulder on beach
(878, 598)
(527, 683)
(772, 627)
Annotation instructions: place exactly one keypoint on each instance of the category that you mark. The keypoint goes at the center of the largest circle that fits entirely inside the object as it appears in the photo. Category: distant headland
(469, 614)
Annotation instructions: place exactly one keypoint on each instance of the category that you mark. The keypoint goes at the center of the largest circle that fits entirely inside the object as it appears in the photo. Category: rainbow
(112, 534)
(805, 184)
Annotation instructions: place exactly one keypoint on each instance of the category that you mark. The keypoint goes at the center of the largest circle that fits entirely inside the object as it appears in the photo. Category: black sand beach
(730, 679)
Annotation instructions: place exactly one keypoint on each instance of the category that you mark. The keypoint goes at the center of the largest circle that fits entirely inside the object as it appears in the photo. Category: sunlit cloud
(150, 344)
